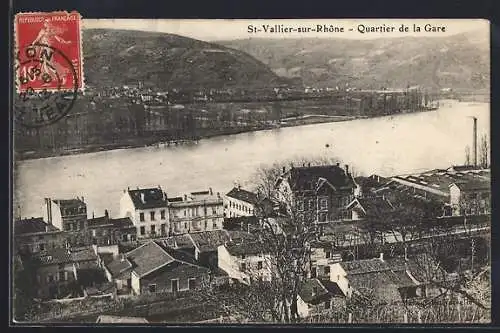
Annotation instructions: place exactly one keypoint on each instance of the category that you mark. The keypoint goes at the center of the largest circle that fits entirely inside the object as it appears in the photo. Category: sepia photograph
(250, 171)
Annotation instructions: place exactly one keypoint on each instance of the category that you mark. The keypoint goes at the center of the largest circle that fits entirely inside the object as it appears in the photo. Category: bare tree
(483, 152)
(467, 156)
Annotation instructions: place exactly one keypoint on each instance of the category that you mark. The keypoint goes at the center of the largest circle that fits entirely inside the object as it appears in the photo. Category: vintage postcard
(250, 171)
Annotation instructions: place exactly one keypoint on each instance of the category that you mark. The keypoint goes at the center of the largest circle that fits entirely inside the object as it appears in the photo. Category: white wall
(338, 275)
(232, 207)
(56, 215)
(136, 283)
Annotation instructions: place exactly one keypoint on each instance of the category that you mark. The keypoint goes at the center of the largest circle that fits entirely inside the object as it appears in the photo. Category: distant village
(137, 115)
(368, 235)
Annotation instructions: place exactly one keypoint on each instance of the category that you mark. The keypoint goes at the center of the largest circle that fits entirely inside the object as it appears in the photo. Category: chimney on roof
(83, 199)
(338, 164)
(347, 169)
(159, 187)
(309, 164)
(48, 204)
(106, 213)
(185, 197)
(143, 198)
(210, 190)
(381, 257)
(93, 214)
(122, 257)
(284, 169)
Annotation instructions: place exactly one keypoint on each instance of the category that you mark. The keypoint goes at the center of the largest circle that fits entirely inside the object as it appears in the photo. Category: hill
(125, 57)
(459, 61)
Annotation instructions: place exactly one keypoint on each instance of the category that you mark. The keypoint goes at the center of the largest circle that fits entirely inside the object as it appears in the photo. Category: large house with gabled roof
(154, 268)
(320, 192)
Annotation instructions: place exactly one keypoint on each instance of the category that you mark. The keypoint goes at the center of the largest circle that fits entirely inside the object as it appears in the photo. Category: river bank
(208, 133)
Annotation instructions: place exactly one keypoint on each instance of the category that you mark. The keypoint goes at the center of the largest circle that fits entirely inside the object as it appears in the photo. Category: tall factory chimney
(474, 140)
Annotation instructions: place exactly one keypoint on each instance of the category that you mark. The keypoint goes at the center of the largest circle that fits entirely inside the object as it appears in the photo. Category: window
(94, 233)
(327, 305)
(300, 205)
(153, 229)
(311, 204)
(143, 231)
(50, 278)
(205, 210)
(259, 265)
(152, 214)
(243, 256)
(62, 276)
(215, 225)
(322, 217)
(82, 225)
(41, 246)
(327, 270)
(152, 288)
(328, 254)
(323, 204)
(191, 283)
(163, 228)
(124, 237)
(214, 210)
(141, 217)
(315, 291)
(313, 272)
(174, 285)
(243, 267)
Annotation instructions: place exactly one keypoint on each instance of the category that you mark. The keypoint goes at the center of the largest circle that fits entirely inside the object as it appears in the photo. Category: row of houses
(329, 195)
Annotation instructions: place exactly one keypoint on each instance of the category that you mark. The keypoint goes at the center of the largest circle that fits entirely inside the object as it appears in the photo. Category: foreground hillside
(124, 57)
(460, 61)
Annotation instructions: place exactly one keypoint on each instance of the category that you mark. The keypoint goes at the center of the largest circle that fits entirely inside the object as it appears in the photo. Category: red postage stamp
(48, 52)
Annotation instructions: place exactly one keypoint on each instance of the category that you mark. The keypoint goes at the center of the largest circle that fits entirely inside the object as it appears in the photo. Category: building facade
(196, 212)
(147, 209)
(320, 193)
(66, 214)
(35, 235)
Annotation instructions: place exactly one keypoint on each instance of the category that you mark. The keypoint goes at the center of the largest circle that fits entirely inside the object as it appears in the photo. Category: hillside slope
(124, 57)
(460, 61)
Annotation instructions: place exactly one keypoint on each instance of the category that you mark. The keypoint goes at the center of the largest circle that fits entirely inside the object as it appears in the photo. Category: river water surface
(387, 146)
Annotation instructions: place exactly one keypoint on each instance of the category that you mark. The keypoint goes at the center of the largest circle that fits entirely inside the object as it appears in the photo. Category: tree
(483, 152)
(467, 155)
(286, 233)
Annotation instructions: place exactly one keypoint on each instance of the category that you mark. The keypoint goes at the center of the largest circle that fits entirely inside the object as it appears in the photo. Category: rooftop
(438, 181)
(83, 254)
(209, 241)
(148, 257)
(54, 256)
(311, 178)
(69, 203)
(32, 225)
(243, 195)
(148, 198)
(374, 206)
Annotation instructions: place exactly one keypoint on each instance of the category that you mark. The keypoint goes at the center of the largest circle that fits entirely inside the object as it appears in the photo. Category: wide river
(387, 146)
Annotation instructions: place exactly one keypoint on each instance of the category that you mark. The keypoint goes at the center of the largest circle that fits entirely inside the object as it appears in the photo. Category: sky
(212, 30)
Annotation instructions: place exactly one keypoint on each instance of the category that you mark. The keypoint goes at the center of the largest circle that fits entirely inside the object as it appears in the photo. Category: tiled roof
(310, 178)
(32, 225)
(83, 254)
(118, 267)
(98, 221)
(473, 184)
(148, 257)
(148, 198)
(243, 195)
(247, 244)
(371, 265)
(209, 241)
(178, 242)
(105, 319)
(313, 291)
(440, 180)
(54, 257)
